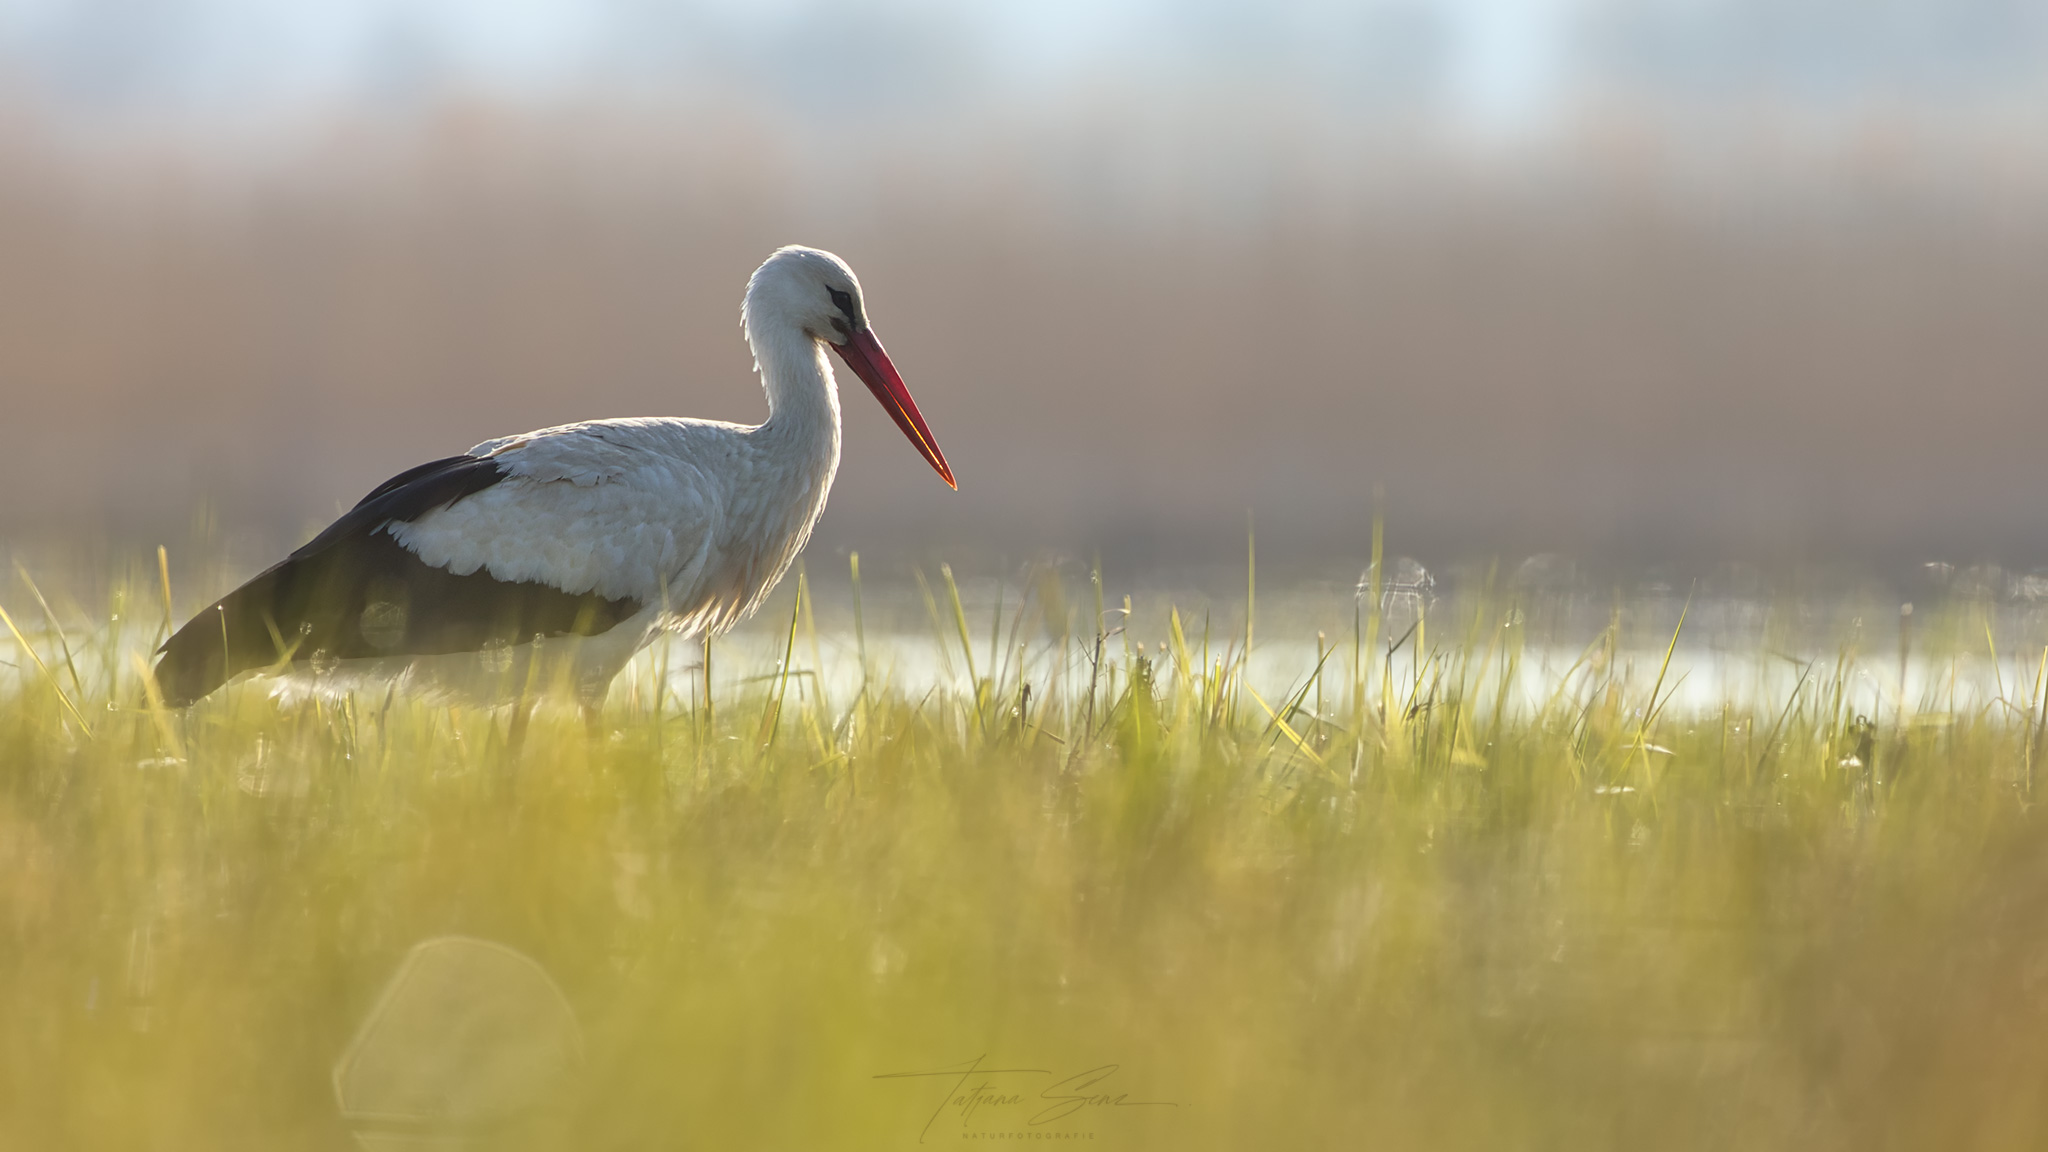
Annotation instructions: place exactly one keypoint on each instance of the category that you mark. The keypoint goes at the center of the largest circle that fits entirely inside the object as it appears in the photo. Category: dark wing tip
(188, 669)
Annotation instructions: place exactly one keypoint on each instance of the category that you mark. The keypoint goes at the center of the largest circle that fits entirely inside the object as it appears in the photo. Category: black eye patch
(844, 302)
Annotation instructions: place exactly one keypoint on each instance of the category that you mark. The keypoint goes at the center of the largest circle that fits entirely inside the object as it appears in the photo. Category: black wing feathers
(410, 495)
(354, 591)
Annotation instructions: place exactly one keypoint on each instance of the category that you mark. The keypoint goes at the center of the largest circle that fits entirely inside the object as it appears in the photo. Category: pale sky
(1492, 62)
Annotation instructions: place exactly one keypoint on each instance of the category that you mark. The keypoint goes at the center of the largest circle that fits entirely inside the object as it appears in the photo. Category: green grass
(1433, 915)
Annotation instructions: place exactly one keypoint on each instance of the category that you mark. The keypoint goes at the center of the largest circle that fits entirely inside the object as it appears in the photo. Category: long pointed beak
(863, 353)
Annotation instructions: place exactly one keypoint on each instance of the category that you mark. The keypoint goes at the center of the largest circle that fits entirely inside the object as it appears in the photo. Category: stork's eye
(844, 302)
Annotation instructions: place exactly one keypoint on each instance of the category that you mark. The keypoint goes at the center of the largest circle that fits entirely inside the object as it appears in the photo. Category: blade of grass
(158, 713)
(931, 607)
(819, 704)
(1650, 710)
(966, 642)
(1300, 744)
(771, 714)
(55, 626)
(55, 686)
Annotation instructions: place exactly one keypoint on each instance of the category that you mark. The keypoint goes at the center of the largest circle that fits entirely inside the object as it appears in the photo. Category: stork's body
(546, 560)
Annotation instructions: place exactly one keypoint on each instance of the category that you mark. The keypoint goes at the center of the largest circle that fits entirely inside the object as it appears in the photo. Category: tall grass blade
(22, 642)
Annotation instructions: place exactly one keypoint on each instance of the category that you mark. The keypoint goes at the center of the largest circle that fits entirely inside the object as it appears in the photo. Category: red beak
(863, 353)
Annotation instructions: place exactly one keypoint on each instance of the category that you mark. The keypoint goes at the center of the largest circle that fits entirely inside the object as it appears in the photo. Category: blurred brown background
(1617, 310)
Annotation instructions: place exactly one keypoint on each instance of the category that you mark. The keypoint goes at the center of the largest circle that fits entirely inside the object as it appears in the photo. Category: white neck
(803, 397)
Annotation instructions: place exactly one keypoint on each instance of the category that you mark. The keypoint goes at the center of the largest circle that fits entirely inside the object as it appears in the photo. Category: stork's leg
(592, 686)
(515, 736)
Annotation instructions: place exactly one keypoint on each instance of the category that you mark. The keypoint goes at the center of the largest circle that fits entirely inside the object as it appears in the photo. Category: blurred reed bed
(1747, 335)
(1386, 897)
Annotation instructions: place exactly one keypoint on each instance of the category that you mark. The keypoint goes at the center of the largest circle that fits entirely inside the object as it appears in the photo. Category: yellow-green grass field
(1461, 884)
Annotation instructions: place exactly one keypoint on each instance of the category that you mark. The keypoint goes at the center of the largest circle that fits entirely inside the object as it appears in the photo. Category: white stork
(548, 559)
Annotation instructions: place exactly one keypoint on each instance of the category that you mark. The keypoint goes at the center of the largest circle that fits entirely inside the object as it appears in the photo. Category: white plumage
(582, 542)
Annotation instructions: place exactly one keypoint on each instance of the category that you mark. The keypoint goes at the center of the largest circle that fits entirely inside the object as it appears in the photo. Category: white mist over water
(1698, 685)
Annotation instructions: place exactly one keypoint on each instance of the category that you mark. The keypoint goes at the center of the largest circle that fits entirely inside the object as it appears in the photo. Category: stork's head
(813, 291)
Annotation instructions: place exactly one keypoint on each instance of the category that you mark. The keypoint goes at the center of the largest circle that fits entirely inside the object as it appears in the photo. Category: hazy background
(1647, 279)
